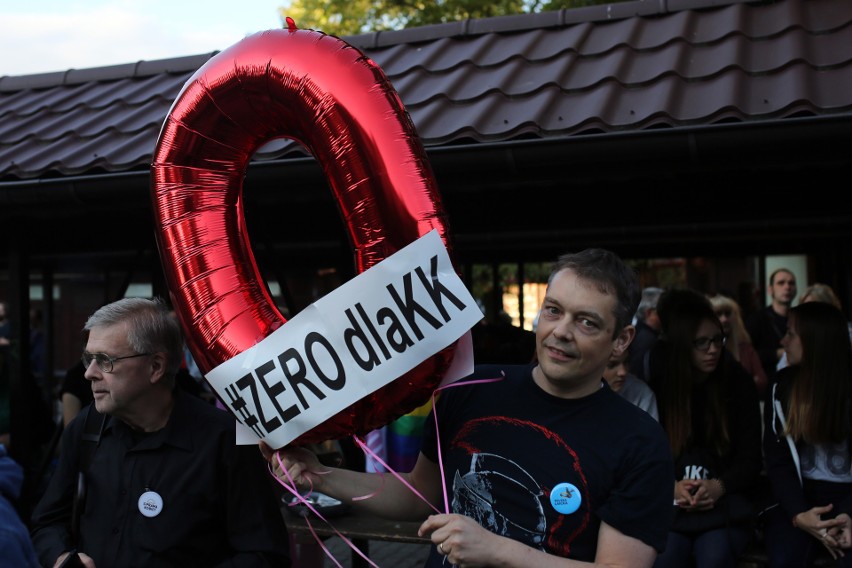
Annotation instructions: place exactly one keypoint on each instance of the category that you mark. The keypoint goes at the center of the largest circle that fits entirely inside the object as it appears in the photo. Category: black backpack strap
(93, 428)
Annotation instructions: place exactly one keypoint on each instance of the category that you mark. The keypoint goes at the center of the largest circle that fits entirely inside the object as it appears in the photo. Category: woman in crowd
(710, 410)
(806, 441)
(817, 293)
(823, 293)
(738, 340)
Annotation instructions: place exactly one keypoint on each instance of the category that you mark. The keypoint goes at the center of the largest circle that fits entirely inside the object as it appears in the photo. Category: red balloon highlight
(324, 93)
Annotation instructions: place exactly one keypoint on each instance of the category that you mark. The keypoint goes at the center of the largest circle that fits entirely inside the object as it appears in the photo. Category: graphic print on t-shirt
(511, 498)
(474, 496)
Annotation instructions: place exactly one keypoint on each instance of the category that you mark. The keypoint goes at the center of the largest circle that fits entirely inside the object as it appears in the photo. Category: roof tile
(611, 68)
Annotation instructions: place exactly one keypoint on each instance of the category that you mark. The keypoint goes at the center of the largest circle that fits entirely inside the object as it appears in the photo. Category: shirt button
(114, 531)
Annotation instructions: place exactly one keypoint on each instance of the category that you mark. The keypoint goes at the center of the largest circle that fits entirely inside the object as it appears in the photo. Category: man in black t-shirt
(546, 462)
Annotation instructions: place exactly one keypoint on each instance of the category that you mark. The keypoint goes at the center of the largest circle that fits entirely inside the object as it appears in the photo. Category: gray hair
(650, 297)
(152, 328)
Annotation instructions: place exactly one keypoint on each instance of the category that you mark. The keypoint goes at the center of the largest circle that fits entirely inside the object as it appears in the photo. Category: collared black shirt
(218, 504)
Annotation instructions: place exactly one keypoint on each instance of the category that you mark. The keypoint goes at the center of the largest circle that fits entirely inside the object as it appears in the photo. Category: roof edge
(539, 20)
(381, 39)
(142, 68)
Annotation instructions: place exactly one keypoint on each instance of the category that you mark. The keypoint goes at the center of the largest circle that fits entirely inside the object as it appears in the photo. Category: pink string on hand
(300, 498)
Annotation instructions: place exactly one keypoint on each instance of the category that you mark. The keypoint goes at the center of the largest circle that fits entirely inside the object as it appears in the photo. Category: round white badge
(565, 498)
(150, 504)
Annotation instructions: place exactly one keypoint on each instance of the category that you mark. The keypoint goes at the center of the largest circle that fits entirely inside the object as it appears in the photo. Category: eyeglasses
(104, 361)
(704, 343)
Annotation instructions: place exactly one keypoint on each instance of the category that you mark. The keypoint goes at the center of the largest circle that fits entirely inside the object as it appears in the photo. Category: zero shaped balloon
(327, 95)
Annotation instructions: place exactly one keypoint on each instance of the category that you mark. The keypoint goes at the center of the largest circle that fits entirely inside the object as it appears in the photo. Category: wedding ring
(441, 548)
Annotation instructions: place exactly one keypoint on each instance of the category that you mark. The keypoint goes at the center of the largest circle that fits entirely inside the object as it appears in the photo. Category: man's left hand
(462, 540)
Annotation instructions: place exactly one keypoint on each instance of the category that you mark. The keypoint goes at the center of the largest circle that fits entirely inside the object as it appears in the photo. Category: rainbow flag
(402, 438)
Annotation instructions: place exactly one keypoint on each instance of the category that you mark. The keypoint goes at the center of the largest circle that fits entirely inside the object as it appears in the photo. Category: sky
(38, 36)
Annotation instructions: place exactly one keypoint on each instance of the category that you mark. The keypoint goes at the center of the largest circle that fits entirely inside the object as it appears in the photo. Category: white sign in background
(353, 341)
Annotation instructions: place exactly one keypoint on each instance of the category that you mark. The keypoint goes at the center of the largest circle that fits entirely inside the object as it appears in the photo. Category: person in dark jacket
(166, 484)
(806, 441)
(709, 408)
(766, 327)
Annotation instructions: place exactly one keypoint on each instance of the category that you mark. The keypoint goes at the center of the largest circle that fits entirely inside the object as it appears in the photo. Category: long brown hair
(681, 314)
(819, 397)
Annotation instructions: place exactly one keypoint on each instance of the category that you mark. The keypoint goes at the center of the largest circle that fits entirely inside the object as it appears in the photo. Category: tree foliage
(347, 17)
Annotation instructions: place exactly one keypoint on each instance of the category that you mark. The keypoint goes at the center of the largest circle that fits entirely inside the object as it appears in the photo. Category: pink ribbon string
(291, 487)
(438, 432)
(402, 480)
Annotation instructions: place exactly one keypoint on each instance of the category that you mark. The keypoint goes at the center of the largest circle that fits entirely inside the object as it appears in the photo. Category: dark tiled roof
(623, 67)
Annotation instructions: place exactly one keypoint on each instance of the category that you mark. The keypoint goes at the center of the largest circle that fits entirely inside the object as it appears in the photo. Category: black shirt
(766, 329)
(218, 503)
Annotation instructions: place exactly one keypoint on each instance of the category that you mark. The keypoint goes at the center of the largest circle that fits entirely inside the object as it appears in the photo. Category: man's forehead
(783, 276)
(113, 335)
(582, 294)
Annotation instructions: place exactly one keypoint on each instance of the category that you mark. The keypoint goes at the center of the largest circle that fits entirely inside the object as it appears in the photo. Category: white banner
(353, 341)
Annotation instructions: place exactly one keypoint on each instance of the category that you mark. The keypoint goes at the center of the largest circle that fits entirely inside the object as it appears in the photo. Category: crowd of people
(654, 427)
(695, 366)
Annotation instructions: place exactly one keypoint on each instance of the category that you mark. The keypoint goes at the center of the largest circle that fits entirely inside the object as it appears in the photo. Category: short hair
(650, 297)
(152, 328)
(612, 276)
(776, 271)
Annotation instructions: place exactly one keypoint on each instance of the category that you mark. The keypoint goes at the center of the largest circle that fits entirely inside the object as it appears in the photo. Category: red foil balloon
(319, 90)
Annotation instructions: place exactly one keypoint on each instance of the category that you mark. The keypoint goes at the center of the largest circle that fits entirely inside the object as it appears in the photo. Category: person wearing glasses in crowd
(709, 407)
(164, 483)
(807, 441)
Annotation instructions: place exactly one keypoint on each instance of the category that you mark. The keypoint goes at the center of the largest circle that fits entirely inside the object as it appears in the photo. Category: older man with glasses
(149, 475)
